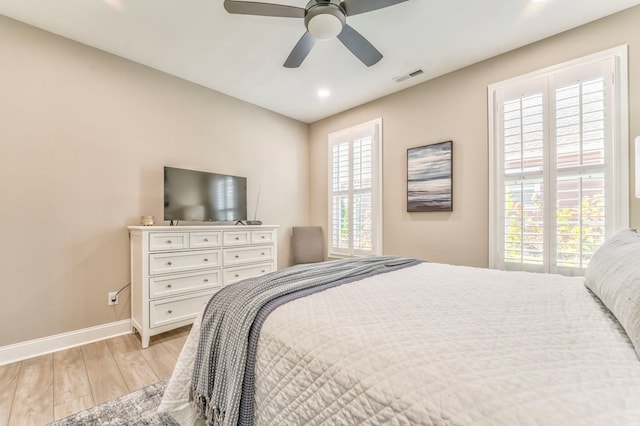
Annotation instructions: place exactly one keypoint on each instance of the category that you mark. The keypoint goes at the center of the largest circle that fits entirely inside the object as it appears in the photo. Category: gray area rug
(135, 408)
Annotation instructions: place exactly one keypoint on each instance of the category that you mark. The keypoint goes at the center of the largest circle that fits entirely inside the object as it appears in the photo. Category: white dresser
(176, 269)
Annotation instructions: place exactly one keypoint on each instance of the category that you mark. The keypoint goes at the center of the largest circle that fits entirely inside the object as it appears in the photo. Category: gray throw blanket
(230, 328)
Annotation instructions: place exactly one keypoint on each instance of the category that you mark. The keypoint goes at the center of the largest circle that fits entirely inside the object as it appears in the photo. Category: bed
(434, 344)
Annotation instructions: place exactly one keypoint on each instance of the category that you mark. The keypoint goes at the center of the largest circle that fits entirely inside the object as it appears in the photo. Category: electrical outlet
(113, 298)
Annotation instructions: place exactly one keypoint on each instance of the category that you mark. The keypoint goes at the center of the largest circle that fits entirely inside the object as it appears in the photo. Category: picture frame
(430, 178)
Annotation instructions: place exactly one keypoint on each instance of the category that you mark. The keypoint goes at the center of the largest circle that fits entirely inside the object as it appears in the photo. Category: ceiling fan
(324, 19)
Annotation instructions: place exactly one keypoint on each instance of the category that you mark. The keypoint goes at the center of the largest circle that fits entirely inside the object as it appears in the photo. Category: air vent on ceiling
(407, 76)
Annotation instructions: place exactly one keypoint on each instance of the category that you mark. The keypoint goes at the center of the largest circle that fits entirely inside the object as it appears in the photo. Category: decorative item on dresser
(175, 270)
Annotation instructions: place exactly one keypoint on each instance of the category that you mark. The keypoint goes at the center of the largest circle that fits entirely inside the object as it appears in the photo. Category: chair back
(307, 244)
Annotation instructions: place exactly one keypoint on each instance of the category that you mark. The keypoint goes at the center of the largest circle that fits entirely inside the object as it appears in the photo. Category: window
(558, 164)
(355, 214)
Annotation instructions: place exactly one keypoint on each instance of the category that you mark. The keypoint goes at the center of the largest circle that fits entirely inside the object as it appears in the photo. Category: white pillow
(614, 276)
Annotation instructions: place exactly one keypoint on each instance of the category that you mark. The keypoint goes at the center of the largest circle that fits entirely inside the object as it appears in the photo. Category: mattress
(437, 344)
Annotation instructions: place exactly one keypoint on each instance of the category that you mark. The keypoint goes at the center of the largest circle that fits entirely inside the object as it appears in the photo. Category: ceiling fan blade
(263, 9)
(359, 46)
(355, 7)
(300, 51)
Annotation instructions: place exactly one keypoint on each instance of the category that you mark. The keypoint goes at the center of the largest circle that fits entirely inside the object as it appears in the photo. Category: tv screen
(192, 195)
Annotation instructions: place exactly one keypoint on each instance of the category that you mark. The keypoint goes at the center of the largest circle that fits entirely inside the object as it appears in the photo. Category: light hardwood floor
(40, 390)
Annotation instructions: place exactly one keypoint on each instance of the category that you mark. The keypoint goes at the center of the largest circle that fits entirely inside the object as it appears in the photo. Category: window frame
(617, 159)
(371, 128)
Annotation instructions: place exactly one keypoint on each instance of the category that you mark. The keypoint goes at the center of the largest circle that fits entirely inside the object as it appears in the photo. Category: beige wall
(83, 138)
(455, 107)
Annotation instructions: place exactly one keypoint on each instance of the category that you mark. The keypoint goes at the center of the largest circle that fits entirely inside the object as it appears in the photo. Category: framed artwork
(429, 178)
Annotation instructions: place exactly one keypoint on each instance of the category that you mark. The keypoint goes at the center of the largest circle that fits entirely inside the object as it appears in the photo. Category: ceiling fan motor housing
(324, 19)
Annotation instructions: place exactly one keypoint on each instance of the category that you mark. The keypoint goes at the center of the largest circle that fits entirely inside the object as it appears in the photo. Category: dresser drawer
(162, 263)
(238, 256)
(258, 237)
(232, 275)
(168, 241)
(235, 238)
(175, 284)
(200, 240)
(167, 311)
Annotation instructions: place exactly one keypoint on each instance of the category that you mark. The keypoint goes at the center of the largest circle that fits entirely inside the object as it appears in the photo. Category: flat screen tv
(191, 195)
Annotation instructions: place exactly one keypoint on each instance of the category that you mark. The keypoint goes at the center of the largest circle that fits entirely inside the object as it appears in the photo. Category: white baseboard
(57, 342)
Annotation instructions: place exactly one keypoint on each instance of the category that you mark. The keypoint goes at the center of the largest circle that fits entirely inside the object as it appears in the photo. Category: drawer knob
(168, 285)
(237, 238)
(169, 311)
(263, 254)
(169, 263)
(237, 256)
(206, 240)
(206, 280)
(206, 260)
(237, 275)
(263, 271)
(169, 241)
(263, 237)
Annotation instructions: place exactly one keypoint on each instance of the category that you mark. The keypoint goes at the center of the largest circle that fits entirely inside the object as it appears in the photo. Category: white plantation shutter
(354, 196)
(558, 165)
(340, 197)
(580, 219)
(523, 217)
(583, 126)
(523, 163)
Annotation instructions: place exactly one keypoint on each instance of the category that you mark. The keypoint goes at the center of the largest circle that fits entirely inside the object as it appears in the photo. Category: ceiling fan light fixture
(324, 26)
(324, 20)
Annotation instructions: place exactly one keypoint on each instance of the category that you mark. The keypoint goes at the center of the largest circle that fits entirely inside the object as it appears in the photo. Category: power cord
(115, 296)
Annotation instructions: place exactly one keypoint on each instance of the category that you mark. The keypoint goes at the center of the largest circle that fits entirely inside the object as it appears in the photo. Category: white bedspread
(443, 345)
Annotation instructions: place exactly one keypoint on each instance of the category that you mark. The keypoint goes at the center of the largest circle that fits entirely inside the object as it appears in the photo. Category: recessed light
(324, 93)
(115, 4)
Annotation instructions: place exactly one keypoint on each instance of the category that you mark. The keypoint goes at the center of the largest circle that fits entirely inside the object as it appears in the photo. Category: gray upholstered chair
(307, 244)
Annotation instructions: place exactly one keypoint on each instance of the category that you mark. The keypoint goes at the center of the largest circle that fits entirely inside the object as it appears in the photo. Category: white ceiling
(242, 55)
